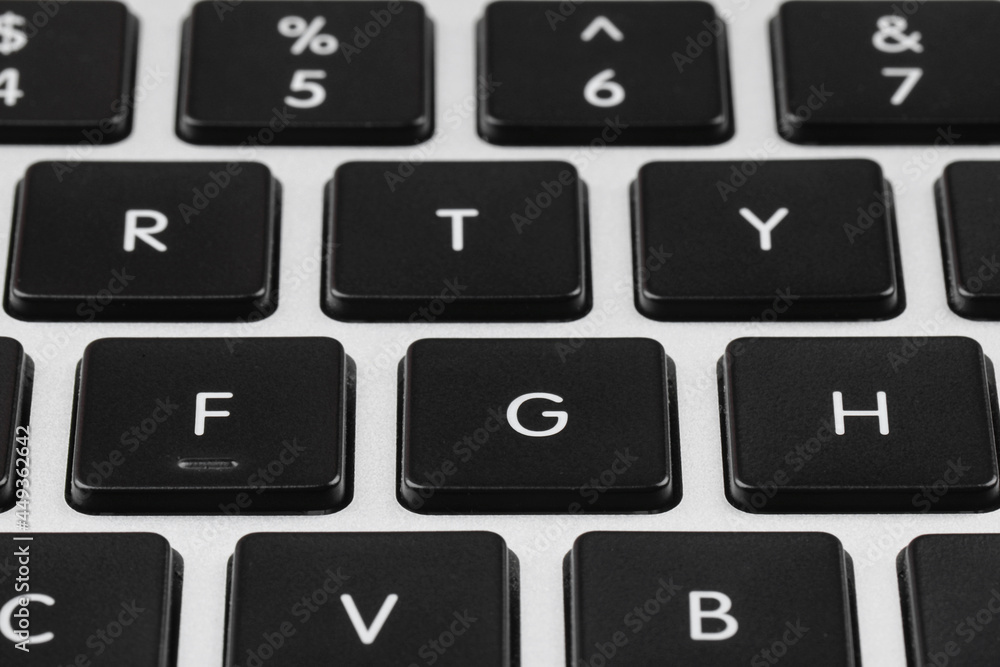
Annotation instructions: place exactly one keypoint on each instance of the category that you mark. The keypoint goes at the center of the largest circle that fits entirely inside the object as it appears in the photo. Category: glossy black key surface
(66, 72)
(710, 599)
(859, 425)
(16, 376)
(500, 241)
(968, 210)
(445, 599)
(538, 425)
(603, 73)
(949, 588)
(212, 426)
(259, 73)
(887, 72)
(765, 240)
(182, 241)
(90, 600)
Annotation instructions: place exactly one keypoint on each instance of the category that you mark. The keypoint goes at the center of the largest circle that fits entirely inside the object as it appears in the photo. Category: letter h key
(839, 413)
(809, 426)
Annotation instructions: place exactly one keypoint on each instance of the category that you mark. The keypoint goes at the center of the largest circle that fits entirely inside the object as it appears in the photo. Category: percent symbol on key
(307, 35)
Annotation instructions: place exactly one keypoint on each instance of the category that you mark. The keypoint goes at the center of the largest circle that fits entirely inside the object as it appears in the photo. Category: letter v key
(367, 634)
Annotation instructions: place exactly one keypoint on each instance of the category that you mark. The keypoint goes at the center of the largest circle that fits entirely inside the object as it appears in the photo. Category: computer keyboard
(469, 334)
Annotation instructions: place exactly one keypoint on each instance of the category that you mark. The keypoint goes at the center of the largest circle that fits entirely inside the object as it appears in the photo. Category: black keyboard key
(212, 426)
(538, 425)
(710, 599)
(195, 241)
(91, 599)
(950, 592)
(768, 240)
(67, 71)
(307, 73)
(968, 209)
(444, 599)
(886, 72)
(859, 425)
(500, 241)
(16, 375)
(608, 73)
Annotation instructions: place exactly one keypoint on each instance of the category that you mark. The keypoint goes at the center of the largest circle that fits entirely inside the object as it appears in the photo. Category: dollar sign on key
(12, 38)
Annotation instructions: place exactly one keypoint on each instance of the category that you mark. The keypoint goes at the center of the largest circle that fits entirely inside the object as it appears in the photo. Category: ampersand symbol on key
(892, 38)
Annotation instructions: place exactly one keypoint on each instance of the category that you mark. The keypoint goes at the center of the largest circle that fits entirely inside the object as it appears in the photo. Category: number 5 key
(315, 73)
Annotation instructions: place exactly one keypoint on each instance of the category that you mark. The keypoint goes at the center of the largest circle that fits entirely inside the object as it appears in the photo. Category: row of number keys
(549, 72)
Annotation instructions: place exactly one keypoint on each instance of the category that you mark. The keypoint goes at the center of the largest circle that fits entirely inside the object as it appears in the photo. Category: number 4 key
(10, 91)
(66, 72)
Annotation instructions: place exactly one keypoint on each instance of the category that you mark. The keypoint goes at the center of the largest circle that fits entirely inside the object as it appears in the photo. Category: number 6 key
(319, 73)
